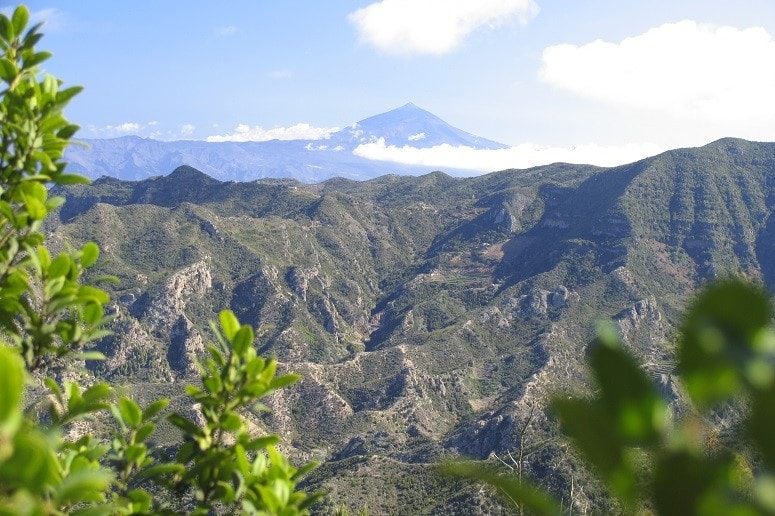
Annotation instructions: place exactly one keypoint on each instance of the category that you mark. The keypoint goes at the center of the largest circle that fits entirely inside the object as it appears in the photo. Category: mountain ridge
(425, 314)
(134, 158)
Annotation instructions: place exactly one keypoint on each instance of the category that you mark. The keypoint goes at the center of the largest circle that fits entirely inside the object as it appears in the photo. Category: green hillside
(425, 314)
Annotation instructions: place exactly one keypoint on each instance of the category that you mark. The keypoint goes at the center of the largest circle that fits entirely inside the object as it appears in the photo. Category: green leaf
(90, 355)
(6, 28)
(229, 323)
(97, 393)
(8, 70)
(531, 498)
(12, 378)
(19, 19)
(760, 424)
(33, 463)
(84, 486)
(35, 208)
(36, 59)
(60, 266)
(687, 484)
(66, 94)
(283, 381)
(145, 431)
(231, 422)
(93, 294)
(184, 424)
(594, 433)
(71, 179)
(261, 443)
(628, 395)
(159, 470)
(130, 412)
(718, 340)
(90, 252)
(154, 408)
(243, 339)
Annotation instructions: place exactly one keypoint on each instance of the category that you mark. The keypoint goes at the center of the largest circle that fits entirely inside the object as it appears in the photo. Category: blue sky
(193, 69)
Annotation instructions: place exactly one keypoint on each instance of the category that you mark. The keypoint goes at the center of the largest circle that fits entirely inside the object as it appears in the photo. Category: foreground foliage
(49, 462)
(676, 463)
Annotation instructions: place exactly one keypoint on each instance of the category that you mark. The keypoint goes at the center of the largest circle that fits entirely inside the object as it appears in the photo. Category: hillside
(426, 314)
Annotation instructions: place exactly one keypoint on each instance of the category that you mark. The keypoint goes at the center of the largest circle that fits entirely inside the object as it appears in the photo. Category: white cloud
(521, 156)
(280, 74)
(246, 133)
(226, 30)
(416, 137)
(153, 123)
(121, 129)
(433, 26)
(187, 129)
(126, 127)
(688, 70)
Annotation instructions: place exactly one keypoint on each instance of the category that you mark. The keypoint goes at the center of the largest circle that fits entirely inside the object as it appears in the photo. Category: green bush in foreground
(49, 462)
(654, 460)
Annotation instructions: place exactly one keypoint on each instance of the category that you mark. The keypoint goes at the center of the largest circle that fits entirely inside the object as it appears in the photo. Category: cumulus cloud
(685, 69)
(121, 129)
(433, 26)
(187, 129)
(246, 133)
(521, 156)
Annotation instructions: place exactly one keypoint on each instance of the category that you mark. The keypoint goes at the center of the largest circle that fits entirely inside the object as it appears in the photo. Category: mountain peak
(191, 174)
(411, 125)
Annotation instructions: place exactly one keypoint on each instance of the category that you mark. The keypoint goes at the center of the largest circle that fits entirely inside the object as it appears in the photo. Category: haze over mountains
(134, 158)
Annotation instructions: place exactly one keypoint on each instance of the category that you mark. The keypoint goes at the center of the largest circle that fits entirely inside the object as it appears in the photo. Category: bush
(49, 320)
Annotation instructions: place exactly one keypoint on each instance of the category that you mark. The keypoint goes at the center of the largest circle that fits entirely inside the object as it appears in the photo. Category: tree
(49, 320)
(654, 459)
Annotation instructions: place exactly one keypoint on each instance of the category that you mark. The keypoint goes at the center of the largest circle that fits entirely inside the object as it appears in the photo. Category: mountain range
(133, 158)
(429, 316)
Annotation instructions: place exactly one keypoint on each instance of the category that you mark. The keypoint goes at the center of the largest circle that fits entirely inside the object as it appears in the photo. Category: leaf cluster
(49, 461)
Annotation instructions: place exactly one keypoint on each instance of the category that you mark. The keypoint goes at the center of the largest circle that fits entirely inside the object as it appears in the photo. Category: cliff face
(427, 315)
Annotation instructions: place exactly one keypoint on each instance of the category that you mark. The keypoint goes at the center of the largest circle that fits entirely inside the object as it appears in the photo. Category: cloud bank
(246, 133)
(433, 27)
(526, 155)
(684, 69)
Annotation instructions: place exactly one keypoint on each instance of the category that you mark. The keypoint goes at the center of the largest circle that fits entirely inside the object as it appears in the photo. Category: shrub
(49, 319)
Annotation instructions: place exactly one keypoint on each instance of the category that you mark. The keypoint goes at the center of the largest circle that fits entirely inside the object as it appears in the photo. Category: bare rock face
(635, 316)
(542, 302)
(153, 338)
(503, 218)
(298, 279)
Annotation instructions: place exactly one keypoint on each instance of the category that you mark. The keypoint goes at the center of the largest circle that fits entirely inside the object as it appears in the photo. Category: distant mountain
(411, 125)
(134, 158)
(426, 315)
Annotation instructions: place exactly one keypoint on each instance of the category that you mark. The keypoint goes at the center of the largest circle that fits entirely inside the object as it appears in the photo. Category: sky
(600, 81)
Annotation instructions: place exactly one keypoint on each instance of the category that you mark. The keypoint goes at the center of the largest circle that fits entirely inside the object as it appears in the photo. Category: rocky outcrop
(541, 303)
(645, 311)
